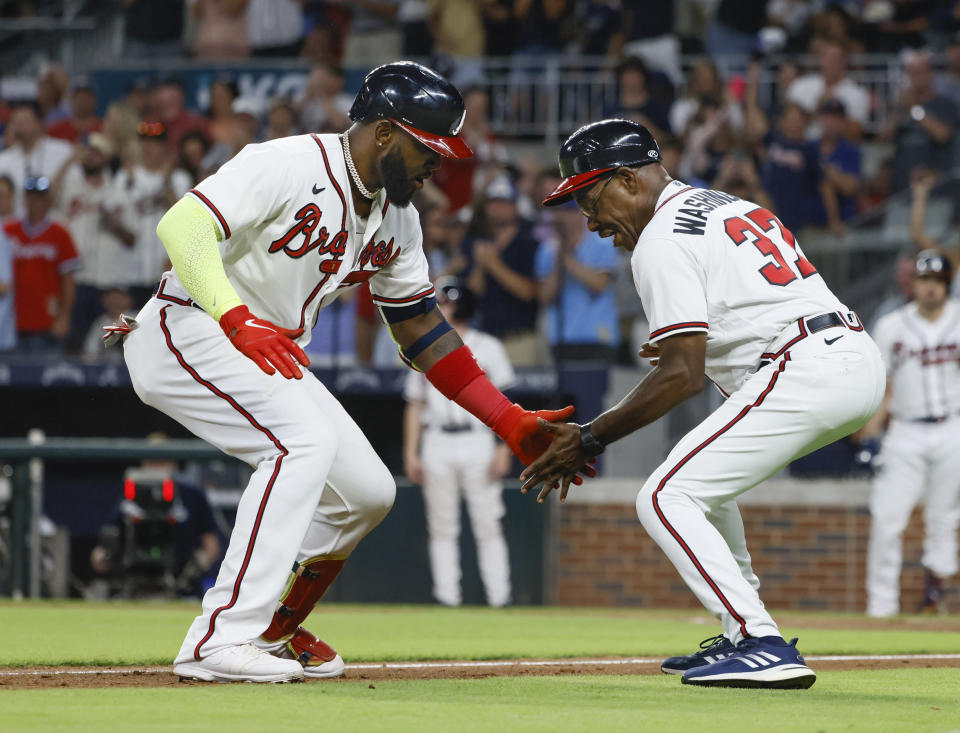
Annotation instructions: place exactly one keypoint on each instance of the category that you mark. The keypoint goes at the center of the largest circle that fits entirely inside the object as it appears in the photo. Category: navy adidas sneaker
(711, 650)
(767, 661)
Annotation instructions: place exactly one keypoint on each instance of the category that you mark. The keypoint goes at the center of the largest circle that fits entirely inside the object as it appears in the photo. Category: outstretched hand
(560, 463)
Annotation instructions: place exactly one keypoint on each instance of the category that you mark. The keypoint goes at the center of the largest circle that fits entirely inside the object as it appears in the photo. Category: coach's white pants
(811, 396)
(318, 487)
(455, 465)
(919, 460)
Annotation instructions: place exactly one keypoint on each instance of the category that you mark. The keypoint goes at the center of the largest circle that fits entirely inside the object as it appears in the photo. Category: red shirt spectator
(42, 255)
(167, 106)
(82, 122)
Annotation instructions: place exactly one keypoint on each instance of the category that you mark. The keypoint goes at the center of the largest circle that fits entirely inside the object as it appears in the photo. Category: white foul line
(498, 664)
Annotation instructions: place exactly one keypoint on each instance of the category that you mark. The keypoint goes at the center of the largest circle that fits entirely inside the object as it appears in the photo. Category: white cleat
(243, 663)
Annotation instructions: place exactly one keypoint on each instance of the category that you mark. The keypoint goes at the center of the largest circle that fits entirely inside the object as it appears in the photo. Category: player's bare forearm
(407, 333)
(678, 375)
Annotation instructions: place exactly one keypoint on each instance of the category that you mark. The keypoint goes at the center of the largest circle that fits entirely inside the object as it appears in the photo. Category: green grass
(894, 700)
(149, 633)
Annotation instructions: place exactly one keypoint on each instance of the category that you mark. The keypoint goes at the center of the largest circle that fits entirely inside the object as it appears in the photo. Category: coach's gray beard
(396, 180)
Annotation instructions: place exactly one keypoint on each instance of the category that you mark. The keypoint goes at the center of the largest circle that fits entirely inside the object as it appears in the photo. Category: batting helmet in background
(451, 290)
(931, 263)
(418, 100)
(598, 149)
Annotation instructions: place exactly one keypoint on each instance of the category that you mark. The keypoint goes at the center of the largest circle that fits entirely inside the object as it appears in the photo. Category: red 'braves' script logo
(307, 220)
(379, 254)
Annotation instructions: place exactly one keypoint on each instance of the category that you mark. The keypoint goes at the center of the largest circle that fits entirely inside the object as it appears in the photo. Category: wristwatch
(588, 442)
(917, 112)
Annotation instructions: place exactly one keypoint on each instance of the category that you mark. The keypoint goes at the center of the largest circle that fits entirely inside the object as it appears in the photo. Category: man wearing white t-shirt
(811, 90)
(451, 454)
(32, 154)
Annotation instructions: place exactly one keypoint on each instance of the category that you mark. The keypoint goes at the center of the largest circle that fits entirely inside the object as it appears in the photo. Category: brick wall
(807, 557)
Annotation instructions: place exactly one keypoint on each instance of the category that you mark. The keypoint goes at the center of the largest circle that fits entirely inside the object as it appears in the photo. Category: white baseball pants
(920, 461)
(318, 487)
(809, 397)
(455, 465)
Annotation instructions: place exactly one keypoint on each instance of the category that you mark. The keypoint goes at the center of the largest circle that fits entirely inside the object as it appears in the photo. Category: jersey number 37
(768, 234)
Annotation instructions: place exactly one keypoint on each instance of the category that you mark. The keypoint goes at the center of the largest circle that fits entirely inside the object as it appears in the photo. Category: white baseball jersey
(46, 159)
(709, 261)
(107, 262)
(439, 410)
(922, 360)
(291, 238)
(145, 191)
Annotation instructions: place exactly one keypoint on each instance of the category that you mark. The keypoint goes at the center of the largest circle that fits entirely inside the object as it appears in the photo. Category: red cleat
(319, 659)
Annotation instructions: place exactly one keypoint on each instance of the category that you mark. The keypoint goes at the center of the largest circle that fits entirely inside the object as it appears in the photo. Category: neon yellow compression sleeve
(190, 236)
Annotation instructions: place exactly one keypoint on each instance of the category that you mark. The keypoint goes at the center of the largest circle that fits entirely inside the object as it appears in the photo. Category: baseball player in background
(729, 294)
(450, 453)
(257, 249)
(920, 456)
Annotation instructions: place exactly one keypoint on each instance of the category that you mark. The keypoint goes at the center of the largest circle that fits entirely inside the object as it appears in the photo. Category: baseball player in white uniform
(920, 455)
(728, 294)
(256, 250)
(451, 454)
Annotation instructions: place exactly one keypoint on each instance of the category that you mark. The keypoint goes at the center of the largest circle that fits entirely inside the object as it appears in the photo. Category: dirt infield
(97, 677)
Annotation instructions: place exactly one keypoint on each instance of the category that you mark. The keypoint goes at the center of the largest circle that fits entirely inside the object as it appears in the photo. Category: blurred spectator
(167, 106)
(221, 29)
(30, 153)
(836, 24)
(703, 82)
(193, 148)
(281, 120)
(921, 185)
(153, 30)
(893, 26)
(738, 175)
(333, 338)
(52, 86)
(121, 126)
(922, 125)
(246, 122)
(734, 27)
(44, 260)
(787, 73)
(812, 90)
(83, 119)
(500, 255)
(138, 98)
(6, 198)
(413, 19)
(459, 178)
(904, 273)
(459, 33)
(8, 319)
(324, 106)
(102, 226)
(327, 28)
(574, 280)
(435, 224)
(635, 100)
(223, 93)
(947, 83)
(791, 172)
(600, 28)
(543, 27)
(499, 27)
(275, 27)
(114, 301)
(151, 187)
(374, 36)
(709, 138)
(648, 33)
(841, 164)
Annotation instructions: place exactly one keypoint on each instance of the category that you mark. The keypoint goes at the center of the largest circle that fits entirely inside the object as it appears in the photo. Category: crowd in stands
(81, 194)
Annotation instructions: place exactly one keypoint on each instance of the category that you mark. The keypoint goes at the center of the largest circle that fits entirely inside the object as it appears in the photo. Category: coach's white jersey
(922, 360)
(439, 410)
(709, 261)
(291, 238)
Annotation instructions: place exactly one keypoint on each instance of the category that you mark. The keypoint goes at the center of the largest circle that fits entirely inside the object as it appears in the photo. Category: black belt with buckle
(456, 428)
(821, 323)
(812, 324)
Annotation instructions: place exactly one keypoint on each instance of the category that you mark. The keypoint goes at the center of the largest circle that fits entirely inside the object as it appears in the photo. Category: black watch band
(588, 442)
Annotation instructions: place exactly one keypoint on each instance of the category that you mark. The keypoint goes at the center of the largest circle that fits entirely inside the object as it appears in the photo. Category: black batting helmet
(600, 148)
(417, 99)
(931, 263)
(451, 290)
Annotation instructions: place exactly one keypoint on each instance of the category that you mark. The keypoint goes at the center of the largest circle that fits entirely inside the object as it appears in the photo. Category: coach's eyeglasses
(589, 208)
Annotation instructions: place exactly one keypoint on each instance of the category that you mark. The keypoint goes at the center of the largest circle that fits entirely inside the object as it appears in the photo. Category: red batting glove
(518, 429)
(266, 344)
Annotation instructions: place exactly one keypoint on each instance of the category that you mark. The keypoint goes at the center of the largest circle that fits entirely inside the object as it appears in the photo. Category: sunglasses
(38, 184)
